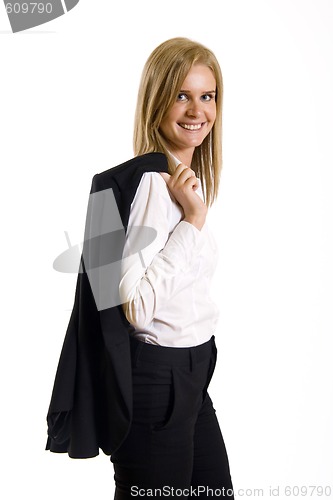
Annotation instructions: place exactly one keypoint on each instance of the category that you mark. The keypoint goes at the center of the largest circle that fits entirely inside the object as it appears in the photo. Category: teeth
(191, 127)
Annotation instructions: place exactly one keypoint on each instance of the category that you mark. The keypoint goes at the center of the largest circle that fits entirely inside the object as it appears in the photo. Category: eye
(182, 97)
(208, 97)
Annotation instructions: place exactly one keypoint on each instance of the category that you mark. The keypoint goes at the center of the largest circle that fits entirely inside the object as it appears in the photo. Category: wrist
(196, 221)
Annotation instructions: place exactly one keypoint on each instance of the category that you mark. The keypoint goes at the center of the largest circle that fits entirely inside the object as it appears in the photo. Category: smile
(191, 127)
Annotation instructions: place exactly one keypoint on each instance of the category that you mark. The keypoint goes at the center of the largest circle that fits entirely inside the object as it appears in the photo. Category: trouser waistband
(173, 356)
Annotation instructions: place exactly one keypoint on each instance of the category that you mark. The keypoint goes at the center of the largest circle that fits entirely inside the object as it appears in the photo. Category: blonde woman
(139, 350)
(174, 440)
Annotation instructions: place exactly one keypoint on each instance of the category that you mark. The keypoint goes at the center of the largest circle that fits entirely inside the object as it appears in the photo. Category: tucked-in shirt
(165, 282)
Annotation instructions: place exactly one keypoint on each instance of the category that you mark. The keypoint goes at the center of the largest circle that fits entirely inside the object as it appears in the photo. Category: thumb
(165, 176)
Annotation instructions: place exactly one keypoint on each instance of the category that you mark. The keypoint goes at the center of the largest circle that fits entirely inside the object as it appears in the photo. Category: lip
(181, 125)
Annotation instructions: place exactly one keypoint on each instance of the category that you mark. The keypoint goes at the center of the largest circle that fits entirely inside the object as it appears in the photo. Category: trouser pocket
(167, 395)
(153, 394)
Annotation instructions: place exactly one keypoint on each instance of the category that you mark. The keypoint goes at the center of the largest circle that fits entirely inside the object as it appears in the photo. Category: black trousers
(174, 446)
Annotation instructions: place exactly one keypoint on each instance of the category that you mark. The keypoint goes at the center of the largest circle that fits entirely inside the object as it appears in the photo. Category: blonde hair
(161, 80)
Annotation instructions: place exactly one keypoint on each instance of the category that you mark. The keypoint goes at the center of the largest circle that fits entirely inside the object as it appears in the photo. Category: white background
(68, 92)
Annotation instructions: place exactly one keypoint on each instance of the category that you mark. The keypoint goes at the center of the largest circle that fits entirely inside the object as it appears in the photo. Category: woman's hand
(183, 184)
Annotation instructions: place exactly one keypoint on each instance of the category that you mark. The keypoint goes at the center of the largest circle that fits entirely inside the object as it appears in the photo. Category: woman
(174, 439)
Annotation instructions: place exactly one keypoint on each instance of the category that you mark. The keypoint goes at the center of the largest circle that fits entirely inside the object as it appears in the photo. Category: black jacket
(91, 403)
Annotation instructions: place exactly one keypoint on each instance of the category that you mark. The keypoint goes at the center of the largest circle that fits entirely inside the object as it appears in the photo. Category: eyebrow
(205, 92)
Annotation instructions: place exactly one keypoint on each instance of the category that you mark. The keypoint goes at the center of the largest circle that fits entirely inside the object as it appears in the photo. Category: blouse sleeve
(150, 277)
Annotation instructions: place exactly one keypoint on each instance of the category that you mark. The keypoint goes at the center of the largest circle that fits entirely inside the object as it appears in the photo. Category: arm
(147, 283)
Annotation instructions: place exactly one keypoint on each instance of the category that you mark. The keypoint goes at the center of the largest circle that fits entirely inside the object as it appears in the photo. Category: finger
(179, 170)
(192, 182)
(165, 176)
(185, 174)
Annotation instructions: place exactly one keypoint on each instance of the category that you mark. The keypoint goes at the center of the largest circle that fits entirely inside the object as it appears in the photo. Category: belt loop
(214, 348)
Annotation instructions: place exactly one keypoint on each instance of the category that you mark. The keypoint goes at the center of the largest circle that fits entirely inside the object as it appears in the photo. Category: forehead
(200, 77)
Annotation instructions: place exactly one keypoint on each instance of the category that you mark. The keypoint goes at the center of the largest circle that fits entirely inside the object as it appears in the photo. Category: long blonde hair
(161, 80)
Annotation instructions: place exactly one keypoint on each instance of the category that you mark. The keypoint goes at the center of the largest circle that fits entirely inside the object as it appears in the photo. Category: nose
(194, 109)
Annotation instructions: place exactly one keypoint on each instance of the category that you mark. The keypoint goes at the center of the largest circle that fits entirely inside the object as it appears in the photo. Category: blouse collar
(177, 162)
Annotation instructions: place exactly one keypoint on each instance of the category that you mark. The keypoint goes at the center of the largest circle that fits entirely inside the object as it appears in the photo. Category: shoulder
(128, 175)
(151, 205)
(152, 186)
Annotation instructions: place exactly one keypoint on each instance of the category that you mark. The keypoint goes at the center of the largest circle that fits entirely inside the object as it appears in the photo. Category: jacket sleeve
(74, 373)
(150, 276)
(60, 409)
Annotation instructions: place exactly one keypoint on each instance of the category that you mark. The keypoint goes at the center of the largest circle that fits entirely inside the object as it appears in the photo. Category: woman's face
(192, 116)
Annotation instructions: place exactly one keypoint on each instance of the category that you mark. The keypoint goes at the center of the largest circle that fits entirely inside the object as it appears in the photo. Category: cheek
(167, 121)
(212, 116)
(213, 112)
(164, 125)
(173, 117)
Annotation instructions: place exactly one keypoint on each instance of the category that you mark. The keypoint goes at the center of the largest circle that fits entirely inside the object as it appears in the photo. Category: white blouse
(164, 289)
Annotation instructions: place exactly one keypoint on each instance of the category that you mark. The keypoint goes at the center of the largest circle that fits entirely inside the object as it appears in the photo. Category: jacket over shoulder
(91, 402)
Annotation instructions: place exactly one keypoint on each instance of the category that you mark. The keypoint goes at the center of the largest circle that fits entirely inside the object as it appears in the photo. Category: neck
(183, 156)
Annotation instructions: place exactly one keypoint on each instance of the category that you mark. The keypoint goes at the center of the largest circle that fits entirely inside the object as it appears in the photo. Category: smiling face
(192, 116)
